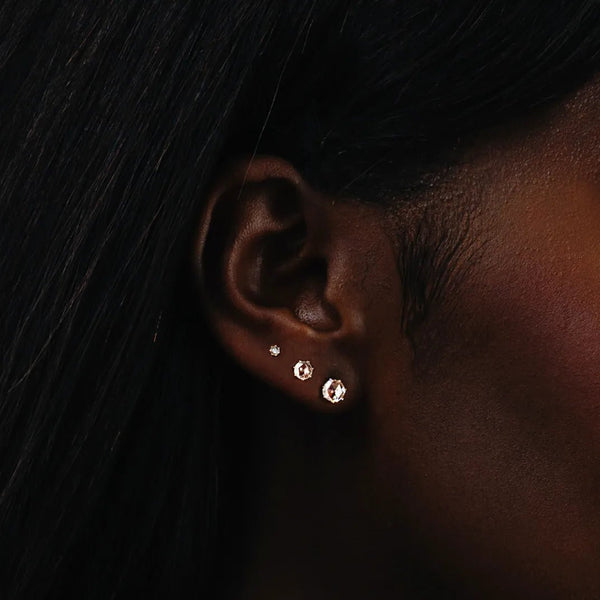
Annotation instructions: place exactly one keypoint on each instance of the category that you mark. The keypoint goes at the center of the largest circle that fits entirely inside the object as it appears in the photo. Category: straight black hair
(114, 118)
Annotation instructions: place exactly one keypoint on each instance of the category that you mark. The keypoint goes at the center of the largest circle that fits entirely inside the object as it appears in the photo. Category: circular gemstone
(333, 390)
(303, 370)
(274, 350)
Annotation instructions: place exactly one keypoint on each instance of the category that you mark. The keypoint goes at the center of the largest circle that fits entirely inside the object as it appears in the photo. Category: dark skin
(463, 461)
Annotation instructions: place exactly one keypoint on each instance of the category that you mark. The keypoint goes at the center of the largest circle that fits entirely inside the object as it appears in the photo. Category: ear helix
(333, 390)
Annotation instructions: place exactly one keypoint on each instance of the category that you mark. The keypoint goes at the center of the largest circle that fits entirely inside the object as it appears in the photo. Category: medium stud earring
(333, 390)
(274, 350)
(303, 370)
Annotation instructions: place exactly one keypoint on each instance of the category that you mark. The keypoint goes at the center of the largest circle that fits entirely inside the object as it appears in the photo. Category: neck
(311, 525)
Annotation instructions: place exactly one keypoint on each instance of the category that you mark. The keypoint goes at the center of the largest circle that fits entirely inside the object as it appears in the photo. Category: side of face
(482, 426)
(495, 444)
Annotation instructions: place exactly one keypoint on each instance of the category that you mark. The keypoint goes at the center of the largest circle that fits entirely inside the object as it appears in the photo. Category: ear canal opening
(310, 304)
(299, 282)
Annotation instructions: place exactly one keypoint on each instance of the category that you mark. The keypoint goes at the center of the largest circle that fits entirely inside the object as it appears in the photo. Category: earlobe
(273, 267)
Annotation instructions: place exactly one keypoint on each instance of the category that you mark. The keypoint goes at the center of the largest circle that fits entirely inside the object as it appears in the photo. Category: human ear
(279, 263)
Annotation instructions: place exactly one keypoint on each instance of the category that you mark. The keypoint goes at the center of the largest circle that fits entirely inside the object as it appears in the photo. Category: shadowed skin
(465, 460)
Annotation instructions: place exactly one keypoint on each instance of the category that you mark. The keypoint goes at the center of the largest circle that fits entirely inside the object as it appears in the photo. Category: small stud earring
(333, 390)
(303, 370)
(274, 350)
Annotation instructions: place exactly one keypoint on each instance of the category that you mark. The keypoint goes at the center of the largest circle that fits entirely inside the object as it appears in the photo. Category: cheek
(539, 304)
(496, 449)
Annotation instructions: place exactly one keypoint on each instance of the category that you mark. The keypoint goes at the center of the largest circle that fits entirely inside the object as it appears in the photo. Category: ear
(281, 264)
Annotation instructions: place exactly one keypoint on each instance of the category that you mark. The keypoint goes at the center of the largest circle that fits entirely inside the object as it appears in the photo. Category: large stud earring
(303, 370)
(333, 390)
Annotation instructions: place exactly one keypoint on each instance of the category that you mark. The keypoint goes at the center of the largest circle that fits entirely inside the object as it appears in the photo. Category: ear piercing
(303, 370)
(333, 390)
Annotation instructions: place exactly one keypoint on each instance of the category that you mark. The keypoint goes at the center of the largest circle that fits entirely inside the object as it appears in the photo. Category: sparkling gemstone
(274, 350)
(333, 390)
(303, 370)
